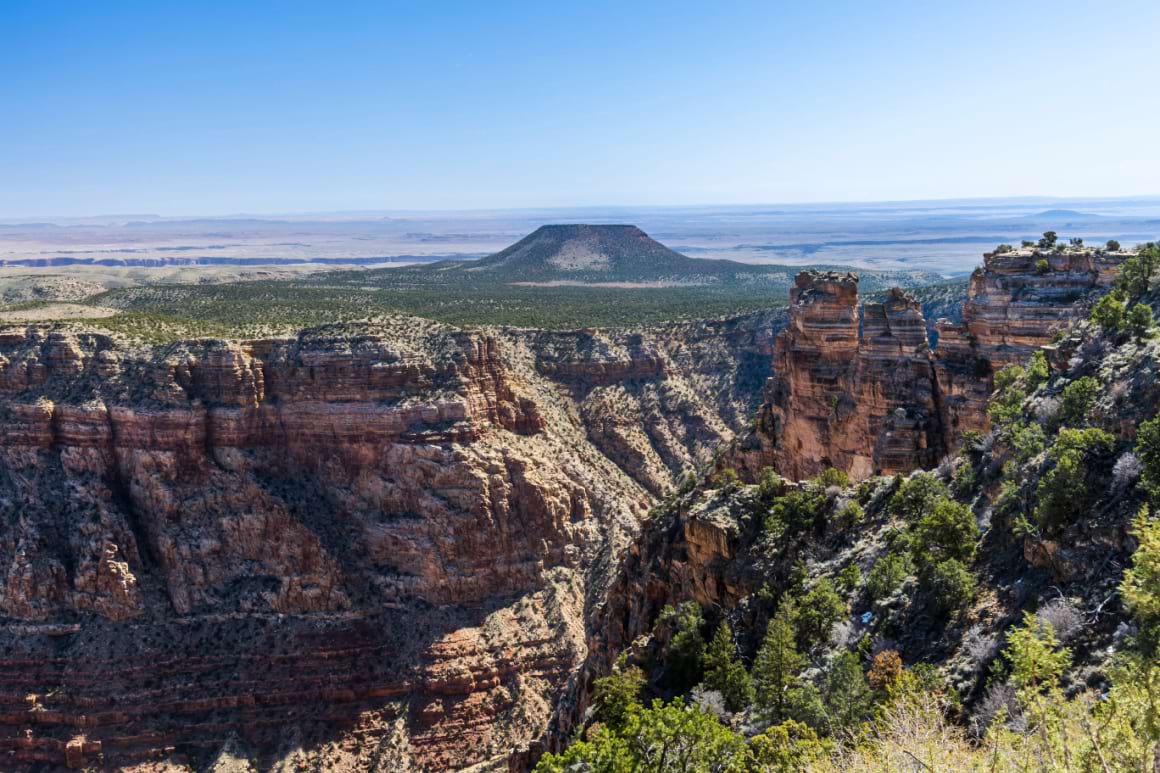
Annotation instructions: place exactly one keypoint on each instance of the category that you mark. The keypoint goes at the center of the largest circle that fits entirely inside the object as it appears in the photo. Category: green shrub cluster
(1064, 492)
(893, 719)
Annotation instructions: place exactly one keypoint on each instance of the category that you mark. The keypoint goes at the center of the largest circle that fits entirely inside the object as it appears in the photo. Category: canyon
(404, 544)
(370, 545)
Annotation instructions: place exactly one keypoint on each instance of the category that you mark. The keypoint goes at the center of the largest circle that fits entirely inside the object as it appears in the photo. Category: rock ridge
(857, 387)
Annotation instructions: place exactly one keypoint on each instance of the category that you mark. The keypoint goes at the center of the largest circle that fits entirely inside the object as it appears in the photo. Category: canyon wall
(856, 387)
(1015, 305)
(366, 546)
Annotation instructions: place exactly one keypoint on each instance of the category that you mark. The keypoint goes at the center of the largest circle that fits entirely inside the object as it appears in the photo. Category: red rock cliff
(856, 387)
(362, 547)
(852, 386)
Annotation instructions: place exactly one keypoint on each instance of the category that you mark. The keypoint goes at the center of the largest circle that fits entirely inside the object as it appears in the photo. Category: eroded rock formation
(853, 386)
(857, 387)
(365, 546)
(1016, 303)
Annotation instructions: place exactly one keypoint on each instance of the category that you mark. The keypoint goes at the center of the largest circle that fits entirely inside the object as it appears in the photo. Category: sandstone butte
(403, 546)
(857, 387)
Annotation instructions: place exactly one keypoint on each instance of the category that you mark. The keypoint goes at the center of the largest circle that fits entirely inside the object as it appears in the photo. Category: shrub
(688, 483)
(1027, 243)
(1027, 440)
(1113, 245)
(1139, 321)
(819, 609)
(1077, 400)
(786, 747)
(798, 510)
(617, 695)
(885, 670)
(849, 514)
(832, 477)
(963, 480)
(949, 585)
(1126, 472)
(1108, 313)
(1062, 492)
(770, 486)
(1048, 239)
(1006, 405)
(887, 574)
(917, 495)
(850, 578)
(1148, 451)
(1062, 616)
(1042, 266)
(1038, 371)
(1002, 248)
(980, 646)
(947, 531)
(727, 479)
(997, 702)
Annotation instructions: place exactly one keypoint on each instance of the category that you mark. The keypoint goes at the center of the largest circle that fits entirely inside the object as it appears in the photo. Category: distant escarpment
(857, 387)
(363, 546)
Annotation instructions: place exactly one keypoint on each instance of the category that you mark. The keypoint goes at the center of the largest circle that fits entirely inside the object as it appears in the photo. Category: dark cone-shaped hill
(592, 254)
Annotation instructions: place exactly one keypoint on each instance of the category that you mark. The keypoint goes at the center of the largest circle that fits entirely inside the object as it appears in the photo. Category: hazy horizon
(1029, 200)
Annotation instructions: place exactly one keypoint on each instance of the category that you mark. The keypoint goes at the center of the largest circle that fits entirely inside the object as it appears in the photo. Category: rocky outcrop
(364, 546)
(857, 387)
(852, 386)
(1017, 302)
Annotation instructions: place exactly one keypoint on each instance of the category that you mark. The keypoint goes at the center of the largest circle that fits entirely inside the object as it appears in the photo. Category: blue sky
(219, 107)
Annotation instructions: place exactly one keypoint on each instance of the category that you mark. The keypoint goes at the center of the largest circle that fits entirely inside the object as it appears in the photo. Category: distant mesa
(625, 255)
(589, 252)
(1059, 214)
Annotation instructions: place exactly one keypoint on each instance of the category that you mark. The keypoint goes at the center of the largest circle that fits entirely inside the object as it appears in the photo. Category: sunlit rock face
(364, 546)
(856, 387)
(852, 386)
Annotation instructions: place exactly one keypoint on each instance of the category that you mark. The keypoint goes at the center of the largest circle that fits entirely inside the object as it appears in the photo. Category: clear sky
(220, 107)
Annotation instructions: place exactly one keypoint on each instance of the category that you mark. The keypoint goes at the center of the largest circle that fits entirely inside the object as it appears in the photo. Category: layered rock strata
(852, 385)
(1017, 302)
(857, 387)
(365, 547)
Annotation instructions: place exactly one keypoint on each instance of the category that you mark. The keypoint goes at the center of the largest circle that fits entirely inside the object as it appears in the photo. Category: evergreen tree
(1139, 321)
(725, 673)
(848, 697)
(686, 646)
(617, 696)
(820, 609)
(778, 663)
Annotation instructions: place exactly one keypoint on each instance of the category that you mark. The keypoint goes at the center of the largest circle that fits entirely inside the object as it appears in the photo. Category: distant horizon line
(389, 212)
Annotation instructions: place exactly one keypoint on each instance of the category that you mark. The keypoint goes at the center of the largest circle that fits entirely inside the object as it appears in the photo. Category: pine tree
(725, 673)
(778, 663)
(848, 697)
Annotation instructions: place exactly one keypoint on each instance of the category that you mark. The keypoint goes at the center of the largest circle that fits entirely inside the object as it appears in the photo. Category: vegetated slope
(1001, 612)
(559, 277)
(619, 254)
(361, 546)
